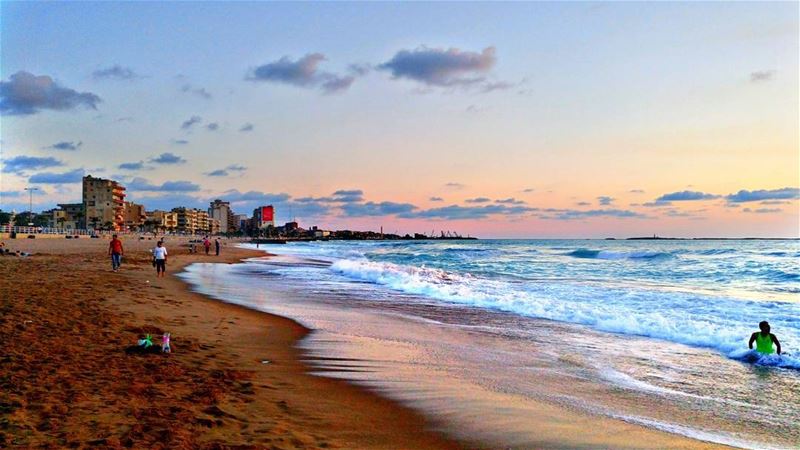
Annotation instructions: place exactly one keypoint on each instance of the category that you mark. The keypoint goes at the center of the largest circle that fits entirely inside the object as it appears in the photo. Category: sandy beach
(235, 378)
(66, 381)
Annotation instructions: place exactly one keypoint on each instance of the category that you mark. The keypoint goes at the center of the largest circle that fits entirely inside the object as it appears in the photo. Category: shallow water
(653, 333)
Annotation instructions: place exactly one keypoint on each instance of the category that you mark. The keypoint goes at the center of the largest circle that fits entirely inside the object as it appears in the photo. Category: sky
(538, 120)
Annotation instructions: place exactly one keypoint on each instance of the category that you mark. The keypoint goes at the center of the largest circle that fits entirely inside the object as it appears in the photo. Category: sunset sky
(491, 119)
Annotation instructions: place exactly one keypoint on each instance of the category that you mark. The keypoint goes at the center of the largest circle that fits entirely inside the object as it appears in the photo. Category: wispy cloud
(65, 145)
(605, 200)
(303, 72)
(448, 68)
(246, 127)
(115, 72)
(743, 195)
(131, 166)
(376, 209)
(684, 196)
(197, 91)
(762, 76)
(72, 176)
(25, 94)
(20, 164)
(141, 184)
(192, 121)
(167, 158)
(213, 126)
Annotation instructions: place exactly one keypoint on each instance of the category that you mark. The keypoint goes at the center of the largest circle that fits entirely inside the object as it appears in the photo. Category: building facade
(221, 211)
(162, 220)
(134, 216)
(191, 220)
(263, 217)
(103, 203)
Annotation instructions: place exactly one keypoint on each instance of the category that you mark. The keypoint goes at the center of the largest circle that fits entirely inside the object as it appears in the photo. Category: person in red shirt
(116, 252)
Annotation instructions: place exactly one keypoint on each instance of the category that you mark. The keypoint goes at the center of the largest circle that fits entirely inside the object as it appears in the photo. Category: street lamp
(30, 204)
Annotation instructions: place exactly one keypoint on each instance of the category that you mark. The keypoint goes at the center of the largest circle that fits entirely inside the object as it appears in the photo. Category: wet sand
(65, 380)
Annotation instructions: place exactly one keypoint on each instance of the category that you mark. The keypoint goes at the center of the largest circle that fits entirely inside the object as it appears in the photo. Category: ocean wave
(784, 361)
(607, 254)
(686, 318)
(718, 251)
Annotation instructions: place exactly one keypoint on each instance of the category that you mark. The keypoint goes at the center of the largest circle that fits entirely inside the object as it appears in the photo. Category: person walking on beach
(160, 259)
(116, 252)
(216, 245)
(207, 244)
(764, 340)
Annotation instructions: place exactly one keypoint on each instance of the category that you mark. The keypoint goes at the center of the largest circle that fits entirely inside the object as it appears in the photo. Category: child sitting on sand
(764, 340)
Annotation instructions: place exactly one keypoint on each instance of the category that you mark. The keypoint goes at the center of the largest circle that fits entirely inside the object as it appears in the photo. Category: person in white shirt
(160, 259)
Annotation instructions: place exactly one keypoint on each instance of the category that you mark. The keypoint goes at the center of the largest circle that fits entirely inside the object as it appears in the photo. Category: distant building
(134, 215)
(222, 212)
(213, 226)
(162, 220)
(263, 217)
(241, 221)
(103, 203)
(67, 216)
(185, 220)
(191, 220)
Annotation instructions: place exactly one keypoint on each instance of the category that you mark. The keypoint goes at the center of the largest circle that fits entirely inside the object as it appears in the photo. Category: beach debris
(146, 342)
(265, 361)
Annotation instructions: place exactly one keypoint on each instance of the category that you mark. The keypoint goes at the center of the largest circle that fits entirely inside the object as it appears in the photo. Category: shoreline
(253, 405)
(216, 392)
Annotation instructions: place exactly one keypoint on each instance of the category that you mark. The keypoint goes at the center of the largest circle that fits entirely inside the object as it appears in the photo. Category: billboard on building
(267, 214)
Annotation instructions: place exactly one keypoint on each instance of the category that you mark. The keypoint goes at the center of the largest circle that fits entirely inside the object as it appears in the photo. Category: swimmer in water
(764, 340)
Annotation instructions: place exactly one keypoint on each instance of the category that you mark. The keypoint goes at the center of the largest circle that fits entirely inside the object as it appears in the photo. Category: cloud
(64, 145)
(192, 121)
(441, 67)
(743, 196)
(478, 200)
(213, 126)
(376, 209)
(636, 191)
(246, 127)
(457, 212)
(22, 163)
(141, 184)
(25, 94)
(73, 176)
(571, 214)
(115, 72)
(335, 84)
(605, 200)
(348, 196)
(583, 204)
(763, 210)
(775, 202)
(683, 196)
(236, 168)
(436, 199)
(528, 190)
(198, 91)
(656, 204)
(180, 141)
(510, 201)
(217, 173)
(255, 196)
(454, 185)
(303, 72)
(167, 158)
(131, 166)
(359, 70)
(762, 76)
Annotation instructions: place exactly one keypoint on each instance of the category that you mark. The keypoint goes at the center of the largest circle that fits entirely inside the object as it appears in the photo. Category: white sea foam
(718, 323)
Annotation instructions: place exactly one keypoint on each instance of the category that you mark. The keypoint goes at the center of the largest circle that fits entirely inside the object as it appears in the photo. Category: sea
(479, 334)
